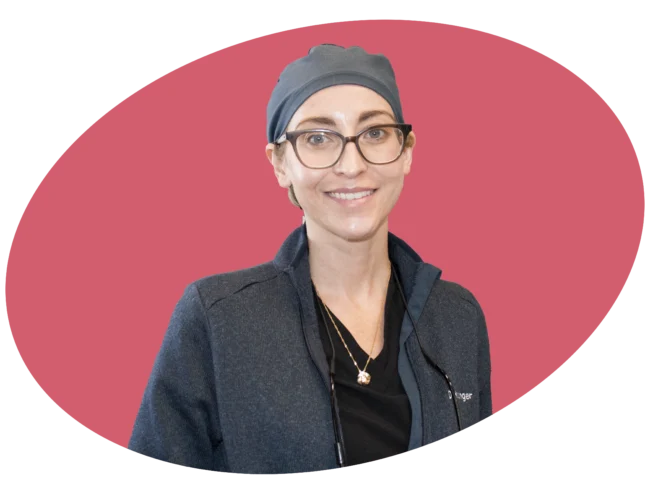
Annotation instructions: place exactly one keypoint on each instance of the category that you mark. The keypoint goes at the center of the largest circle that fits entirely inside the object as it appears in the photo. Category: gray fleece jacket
(241, 381)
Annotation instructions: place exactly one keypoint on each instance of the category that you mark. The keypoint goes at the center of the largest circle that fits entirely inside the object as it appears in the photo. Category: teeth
(349, 197)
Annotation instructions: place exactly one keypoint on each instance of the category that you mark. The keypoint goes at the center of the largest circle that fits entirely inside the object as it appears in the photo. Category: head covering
(328, 65)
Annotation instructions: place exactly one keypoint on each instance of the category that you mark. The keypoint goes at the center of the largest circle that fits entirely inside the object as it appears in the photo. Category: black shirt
(376, 419)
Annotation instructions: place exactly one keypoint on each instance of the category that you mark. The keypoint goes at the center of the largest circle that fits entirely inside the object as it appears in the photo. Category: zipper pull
(339, 454)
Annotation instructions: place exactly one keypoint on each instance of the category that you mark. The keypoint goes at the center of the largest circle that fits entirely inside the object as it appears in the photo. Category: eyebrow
(366, 115)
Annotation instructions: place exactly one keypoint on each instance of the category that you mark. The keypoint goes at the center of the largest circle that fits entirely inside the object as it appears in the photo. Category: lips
(347, 190)
(355, 197)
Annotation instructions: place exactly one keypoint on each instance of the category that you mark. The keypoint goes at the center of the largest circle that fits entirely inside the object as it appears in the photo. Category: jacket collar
(294, 256)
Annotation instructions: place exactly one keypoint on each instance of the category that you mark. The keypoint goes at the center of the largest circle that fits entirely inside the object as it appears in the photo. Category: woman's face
(347, 109)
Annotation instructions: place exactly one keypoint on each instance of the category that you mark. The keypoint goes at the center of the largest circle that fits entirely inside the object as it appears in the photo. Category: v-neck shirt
(375, 418)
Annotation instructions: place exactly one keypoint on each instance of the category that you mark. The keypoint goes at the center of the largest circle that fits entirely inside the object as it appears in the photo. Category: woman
(345, 348)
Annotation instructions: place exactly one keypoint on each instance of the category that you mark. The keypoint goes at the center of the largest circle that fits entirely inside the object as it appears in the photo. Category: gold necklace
(363, 378)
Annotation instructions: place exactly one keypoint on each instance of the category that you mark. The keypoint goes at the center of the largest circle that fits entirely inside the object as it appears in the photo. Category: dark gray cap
(328, 65)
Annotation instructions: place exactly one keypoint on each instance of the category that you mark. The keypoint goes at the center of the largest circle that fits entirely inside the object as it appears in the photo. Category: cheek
(306, 184)
(393, 183)
(304, 179)
(393, 177)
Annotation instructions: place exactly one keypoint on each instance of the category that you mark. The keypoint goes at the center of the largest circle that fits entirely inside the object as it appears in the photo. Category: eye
(318, 139)
(375, 134)
(315, 139)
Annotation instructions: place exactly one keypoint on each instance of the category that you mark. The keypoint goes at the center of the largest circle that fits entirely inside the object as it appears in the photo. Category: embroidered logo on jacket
(462, 396)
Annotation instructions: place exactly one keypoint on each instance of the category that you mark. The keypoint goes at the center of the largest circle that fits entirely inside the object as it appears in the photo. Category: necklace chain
(363, 377)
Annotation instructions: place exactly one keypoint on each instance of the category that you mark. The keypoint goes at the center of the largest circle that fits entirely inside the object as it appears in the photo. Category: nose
(350, 163)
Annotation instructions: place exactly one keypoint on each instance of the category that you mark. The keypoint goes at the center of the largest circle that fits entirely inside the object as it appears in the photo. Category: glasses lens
(381, 144)
(319, 149)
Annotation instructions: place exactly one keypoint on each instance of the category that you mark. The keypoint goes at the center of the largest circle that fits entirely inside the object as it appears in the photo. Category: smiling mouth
(351, 196)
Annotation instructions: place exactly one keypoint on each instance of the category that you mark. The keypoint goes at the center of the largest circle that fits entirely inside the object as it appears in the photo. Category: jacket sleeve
(484, 365)
(177, 420)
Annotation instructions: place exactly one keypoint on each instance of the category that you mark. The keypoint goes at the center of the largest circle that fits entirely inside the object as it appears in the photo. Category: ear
(408, 152)
(269, 152)
(278, 166)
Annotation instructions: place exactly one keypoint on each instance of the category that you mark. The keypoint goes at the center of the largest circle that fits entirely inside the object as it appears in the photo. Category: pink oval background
(525, 189)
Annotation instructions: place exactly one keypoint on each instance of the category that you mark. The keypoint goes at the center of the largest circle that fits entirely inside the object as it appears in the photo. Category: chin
(355, 230)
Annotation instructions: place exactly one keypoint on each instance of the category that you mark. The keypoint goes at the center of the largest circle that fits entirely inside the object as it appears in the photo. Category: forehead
(345, 100)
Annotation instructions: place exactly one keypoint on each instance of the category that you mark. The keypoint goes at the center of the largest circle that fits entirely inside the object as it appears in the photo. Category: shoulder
(457, 309)
(213, 288)
(452, 295)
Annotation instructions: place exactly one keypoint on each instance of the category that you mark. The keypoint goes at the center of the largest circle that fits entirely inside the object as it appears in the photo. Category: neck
(349, 271)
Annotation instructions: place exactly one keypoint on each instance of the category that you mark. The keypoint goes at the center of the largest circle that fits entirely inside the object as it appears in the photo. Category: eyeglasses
(322, 148)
